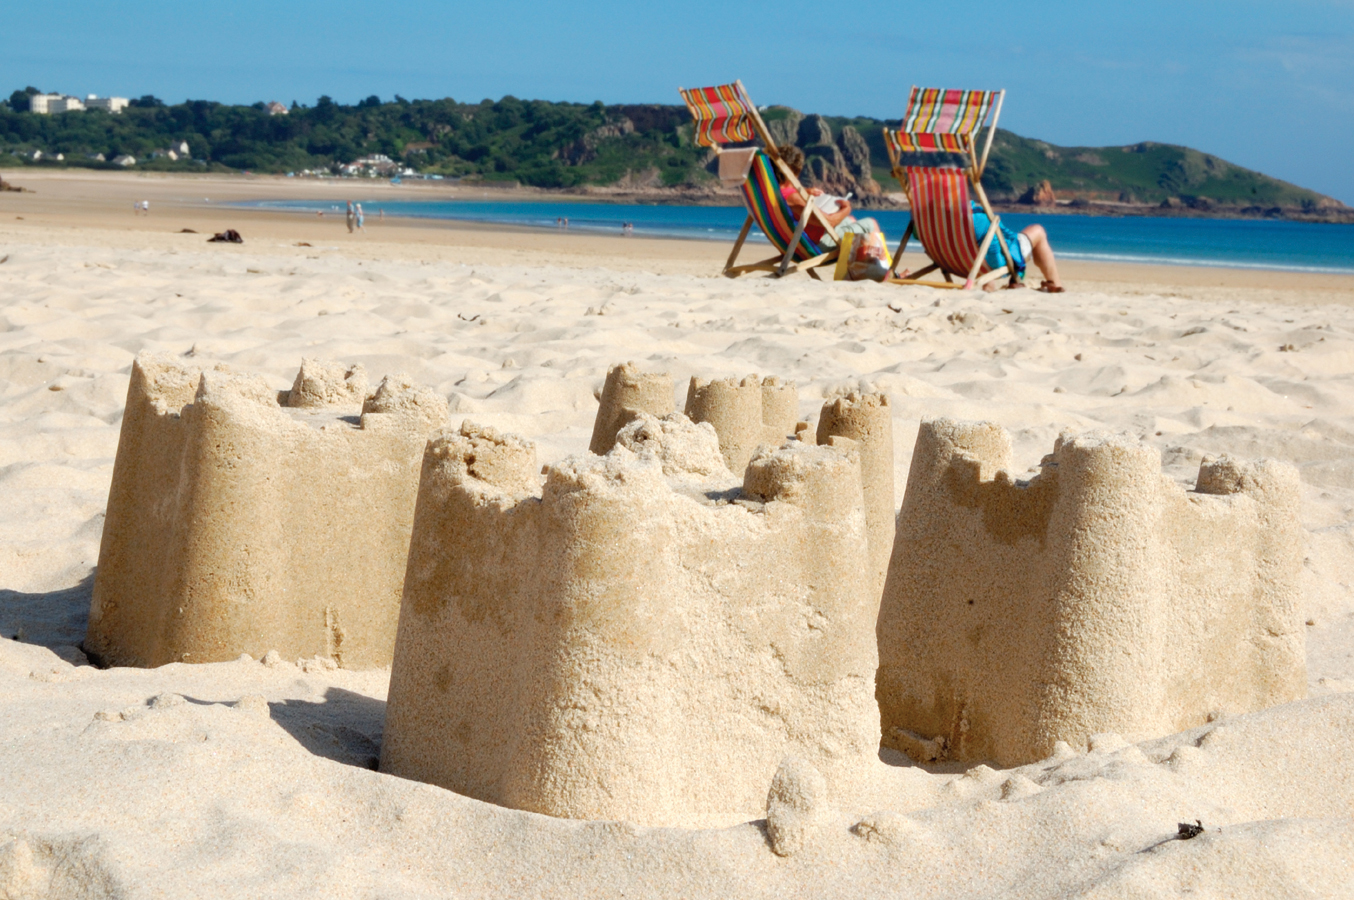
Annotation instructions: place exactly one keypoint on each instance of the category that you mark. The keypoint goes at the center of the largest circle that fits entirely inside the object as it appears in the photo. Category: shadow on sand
(49, 619)
(346, 727)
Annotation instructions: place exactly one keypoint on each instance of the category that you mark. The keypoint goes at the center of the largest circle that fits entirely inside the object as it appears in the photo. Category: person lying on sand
(872, 251)
(1031, 244)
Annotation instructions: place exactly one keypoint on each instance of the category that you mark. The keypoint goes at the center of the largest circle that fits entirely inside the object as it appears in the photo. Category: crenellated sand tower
(627, 391)
(1099, 596)
(745, 414)
(645, 636)
(243, 520)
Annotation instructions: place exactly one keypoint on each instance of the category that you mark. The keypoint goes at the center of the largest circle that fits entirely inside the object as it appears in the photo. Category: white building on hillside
(108, 104)
(40, 103)
(65, 104)
(277, 109)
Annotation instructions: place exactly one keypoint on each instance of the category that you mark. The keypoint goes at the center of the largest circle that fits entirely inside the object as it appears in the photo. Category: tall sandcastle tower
(241, 520)
(1099, 596)
(642, 636)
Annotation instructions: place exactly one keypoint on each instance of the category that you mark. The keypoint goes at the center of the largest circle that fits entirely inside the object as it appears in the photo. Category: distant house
(181, 148)
(96, 157)
(112, 105)
(373, 165)
(277, 109)
(35, 155)
(417, 147)
(122, 159)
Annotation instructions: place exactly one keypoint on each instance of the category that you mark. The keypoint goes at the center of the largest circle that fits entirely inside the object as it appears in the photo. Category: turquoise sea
(1231, 243)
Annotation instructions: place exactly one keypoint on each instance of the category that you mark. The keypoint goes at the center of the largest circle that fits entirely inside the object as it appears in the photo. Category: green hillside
(573, 146)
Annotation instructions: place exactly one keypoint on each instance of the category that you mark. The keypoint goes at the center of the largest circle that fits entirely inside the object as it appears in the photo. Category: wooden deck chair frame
(780, 264)
(973, 171)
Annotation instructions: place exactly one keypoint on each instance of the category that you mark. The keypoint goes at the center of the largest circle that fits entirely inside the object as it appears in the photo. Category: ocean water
(1230, 243)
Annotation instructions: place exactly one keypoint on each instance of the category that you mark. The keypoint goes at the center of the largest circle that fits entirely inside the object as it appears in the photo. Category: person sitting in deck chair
(1030, 245)
(872, 258)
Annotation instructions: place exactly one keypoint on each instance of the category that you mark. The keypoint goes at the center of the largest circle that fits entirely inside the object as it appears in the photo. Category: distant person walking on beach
(351, 216)
(360, 218)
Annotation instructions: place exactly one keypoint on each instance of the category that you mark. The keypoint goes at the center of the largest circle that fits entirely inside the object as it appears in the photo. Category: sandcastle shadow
(346, 727)
(47, 618)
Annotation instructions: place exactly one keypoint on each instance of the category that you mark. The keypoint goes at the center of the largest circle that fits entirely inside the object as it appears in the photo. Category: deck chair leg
(982, 255)
(992, 217)
(738, 244)
(902, 245)
(794, 242)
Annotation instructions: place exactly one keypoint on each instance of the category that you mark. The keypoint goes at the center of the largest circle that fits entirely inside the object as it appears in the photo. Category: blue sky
(1266, 85)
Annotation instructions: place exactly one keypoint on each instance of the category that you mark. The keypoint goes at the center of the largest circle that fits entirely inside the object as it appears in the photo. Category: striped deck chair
(724, 115)
(935, 158)
(767, 207)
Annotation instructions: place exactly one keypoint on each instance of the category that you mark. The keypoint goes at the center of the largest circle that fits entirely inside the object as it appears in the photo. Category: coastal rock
(1039, 195)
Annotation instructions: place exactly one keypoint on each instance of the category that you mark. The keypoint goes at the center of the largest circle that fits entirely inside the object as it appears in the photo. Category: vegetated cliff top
(638, 147)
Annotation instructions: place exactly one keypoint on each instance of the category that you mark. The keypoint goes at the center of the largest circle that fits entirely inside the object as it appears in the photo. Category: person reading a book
(837, 210)
(871, 256)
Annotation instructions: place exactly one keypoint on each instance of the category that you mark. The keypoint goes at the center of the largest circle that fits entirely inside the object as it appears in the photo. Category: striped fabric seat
(766, 204)
(721, 114)
(939, 121)
(943, 219)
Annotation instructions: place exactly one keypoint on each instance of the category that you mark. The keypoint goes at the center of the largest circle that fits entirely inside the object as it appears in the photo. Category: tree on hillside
(18, 101)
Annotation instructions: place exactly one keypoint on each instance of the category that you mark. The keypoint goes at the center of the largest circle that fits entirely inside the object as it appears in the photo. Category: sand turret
(628, 390)
(1099, 596)
(644, 635)
(745, 413)
(242, 519)
(867, 419)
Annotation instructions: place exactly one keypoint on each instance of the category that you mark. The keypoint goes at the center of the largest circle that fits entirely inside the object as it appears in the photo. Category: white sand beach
(246, 779)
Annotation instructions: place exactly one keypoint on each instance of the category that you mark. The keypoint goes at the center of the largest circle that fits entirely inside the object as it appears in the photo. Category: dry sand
(254, 778)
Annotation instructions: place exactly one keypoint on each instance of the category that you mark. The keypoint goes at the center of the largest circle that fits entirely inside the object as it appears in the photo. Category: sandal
(1049, 287)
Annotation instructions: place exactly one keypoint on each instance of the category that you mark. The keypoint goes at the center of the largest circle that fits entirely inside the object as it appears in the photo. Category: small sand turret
(745, 414)
(243, 520)
(628, 390)
(1097, 597)
(644, 636)
(867, 419)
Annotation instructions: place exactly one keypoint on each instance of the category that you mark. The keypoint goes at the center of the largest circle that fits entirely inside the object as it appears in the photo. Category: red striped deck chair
(724, 115)
(935, 158)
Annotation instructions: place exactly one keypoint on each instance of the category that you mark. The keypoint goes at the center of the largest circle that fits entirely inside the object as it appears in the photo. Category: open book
(830, 204)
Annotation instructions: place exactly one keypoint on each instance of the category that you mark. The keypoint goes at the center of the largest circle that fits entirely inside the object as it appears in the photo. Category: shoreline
(96, 206)
(607, 194)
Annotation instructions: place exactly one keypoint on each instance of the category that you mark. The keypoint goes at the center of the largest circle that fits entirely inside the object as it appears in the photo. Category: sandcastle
(645, 636)
(243, 520)
(1097, 597)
